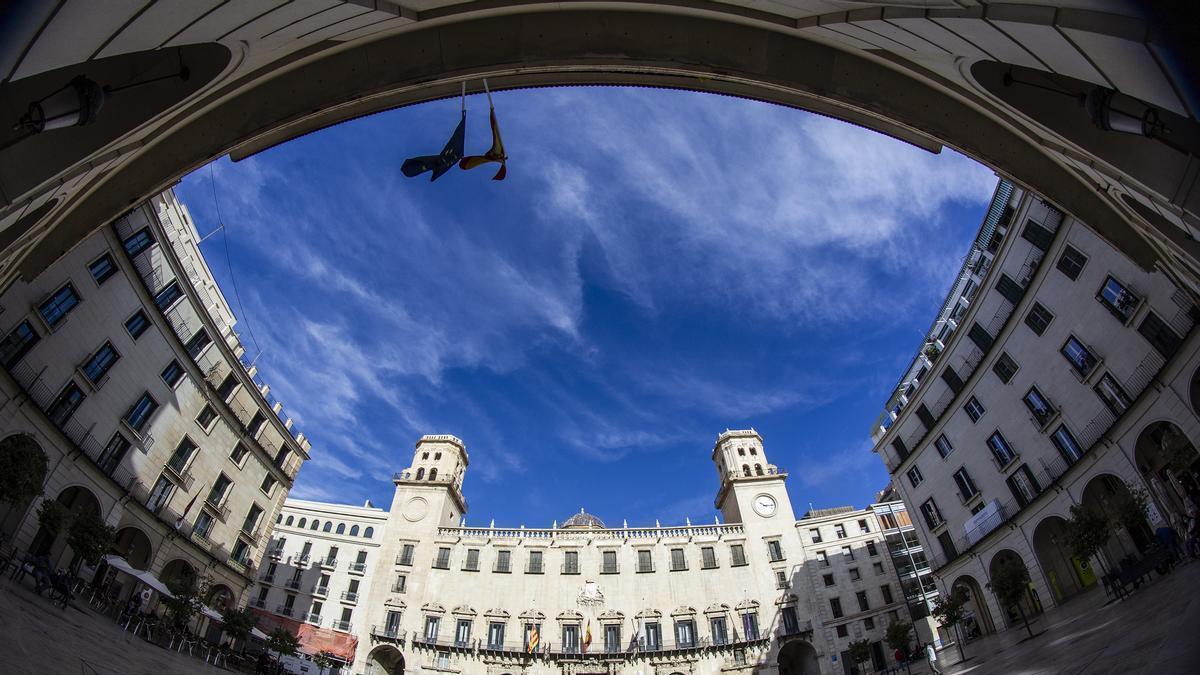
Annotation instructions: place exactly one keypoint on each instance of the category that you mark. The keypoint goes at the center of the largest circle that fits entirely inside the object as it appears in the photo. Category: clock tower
(752, 489)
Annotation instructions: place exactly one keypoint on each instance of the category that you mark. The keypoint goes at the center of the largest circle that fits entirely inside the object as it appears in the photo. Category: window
(847, 553)
(531, 629)
(400, 583)
(685, 633)
(863, 526)
(1005, 367)
(227, 386)
(167, 295)
(840, 531)
(645, 561)
(1112, 394)
(570, 638)
(182, 456)
(100, 363)
(708, 557)
(1038, 405)
(737, 555)
(1079, 356)
(462, 633)
(781, 580)
(65, 404)
(750, 626)
(608, 562)
(943, 446)
(815, 533)
(828, 579)
(966, 486)
(571, 562)
(198, 343)
(55, 308)
(442, 562)
(238, 453)
(204, 523)
(886, 589)
(160, 494)
(137, 324)
(172, 374)
(869, 623)
(256, 423)
(1067, 446)
(915, 477)
(878, 567)
(974, 409)
(872, 550)
(1071, 262)
(1002, 452)
(1159, 335)
(102, 268)
(113, 453)
(207, 417)
(842, 631)
(720, 635)
(678, 560)
(367, 533)
(535, 563)
(503, 561)
(392, 624)
(774, 551)
(933, 517)
(1117, 299)
(1038, 319)
(268, 485)
(406, 553)
(17, 344)
(612, 638)
(1009, 289)
(835, 605)
(495, 635)
(252, 517)
(855, 575)
(823, 558)
(216, 494)
(1023, 485)
(790, 624)
(863, 605)
(138, 241)
(431, 627)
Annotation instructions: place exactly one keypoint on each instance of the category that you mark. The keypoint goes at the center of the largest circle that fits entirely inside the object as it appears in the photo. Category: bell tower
(430, 489)
(751, 488)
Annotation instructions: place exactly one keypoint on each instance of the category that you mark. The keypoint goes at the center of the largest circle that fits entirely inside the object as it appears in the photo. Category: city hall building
(410, 588)
(1058, 373)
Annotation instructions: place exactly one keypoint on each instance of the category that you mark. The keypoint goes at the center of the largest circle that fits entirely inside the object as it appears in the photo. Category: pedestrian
(931, 657)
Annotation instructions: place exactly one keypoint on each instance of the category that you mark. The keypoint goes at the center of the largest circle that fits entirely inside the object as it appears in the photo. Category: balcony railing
(320, 591)
(293, 583)
(681, 532)
(313, 618)
(267, 579)
(221, 510)
(386, 633)
(397, 587)
(328, 563)
(275, 553)
(181, 475)
(301, 559)
(358, 567)
(283, 611)
(601, 651)
(343, 626)
(350, 596)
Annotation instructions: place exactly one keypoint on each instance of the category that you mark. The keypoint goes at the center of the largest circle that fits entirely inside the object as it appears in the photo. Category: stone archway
(1066, 573)
(220, 597)
(133, 545)
(1167, 460)
(1030, 603)
(1102, 494)
(177, 569)
(76, 500)
(798, 657)
(980, 620)
(385, 660)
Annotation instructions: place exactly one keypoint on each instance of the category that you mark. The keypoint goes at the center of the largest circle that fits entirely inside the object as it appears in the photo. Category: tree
(283, 641)
(323, 660)
(89, 537)
(22, 469)
(53, 516)
(860, 651)
(237, 623)
(187, 590)
(1128, 508)
(951, 609)
(897, 638)
(1010, 581)
(1087, 532)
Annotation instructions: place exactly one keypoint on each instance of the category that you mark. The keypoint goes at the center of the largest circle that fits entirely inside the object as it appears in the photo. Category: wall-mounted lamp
(74, 105)
(1114, 111)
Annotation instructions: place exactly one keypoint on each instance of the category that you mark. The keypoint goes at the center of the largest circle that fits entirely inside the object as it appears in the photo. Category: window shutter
(980, 337)
(1037, 235)
(952, 379)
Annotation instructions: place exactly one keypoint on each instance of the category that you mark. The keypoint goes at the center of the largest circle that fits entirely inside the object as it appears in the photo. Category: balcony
(343, 626)
(350, 596)
(267, 579)
(275, 553)
(314, 619)
(259, 603)
(180, 475)
(405, 560)
(358, 567)
(320, 591)
(283, 610)
(219, 509)
(397, 587)
(387, 633)
(328, 563)
(293, 583)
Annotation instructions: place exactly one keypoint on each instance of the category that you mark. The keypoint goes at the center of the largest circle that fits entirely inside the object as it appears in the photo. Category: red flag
(179, 520)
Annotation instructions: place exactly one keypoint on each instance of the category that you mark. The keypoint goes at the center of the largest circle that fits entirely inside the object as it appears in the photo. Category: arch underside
(335, 82)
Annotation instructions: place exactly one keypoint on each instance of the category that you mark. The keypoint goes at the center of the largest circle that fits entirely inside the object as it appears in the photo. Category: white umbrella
(258, 634)
(141, 575)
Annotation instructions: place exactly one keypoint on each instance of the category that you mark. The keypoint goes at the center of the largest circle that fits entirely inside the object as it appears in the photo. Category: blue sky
(659, 266)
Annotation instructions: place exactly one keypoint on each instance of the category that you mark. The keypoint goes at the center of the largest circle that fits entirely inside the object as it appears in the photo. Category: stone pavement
(41, 639)
(1154, 631)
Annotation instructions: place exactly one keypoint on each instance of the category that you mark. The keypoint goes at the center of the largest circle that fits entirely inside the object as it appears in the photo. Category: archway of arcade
(1168, 461)
(1030, 603)
(798, 657)
(52, 541)
(979, 618)
(1066, 573)
(1107, 494)
(385, 660)
(932, 77)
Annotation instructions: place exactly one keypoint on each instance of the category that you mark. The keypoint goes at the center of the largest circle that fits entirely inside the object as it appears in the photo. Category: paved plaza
(1153, 632)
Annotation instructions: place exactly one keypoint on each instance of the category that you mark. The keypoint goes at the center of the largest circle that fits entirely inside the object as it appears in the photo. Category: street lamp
(74, 105)
(1114, 111)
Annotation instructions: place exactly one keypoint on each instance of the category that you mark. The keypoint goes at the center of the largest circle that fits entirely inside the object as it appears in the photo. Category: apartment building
(121, 362)
(1056, 373)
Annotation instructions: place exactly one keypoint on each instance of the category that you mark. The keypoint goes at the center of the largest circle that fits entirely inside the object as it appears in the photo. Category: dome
(584, 521)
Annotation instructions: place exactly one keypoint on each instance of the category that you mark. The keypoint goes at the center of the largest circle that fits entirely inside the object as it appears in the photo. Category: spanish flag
(587, 637)
(533, 640)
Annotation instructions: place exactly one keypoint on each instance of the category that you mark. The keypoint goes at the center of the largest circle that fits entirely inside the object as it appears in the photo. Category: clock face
(764, 505)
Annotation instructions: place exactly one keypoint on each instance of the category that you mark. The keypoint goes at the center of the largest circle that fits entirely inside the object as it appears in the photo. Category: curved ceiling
(904, 69)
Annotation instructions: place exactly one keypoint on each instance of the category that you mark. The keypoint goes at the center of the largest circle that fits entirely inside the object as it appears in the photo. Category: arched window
(437, 455)
(746, 469)
(369, 532)
(741, 452)
(279, 519)
(289, 521)
(424, 455)
(341, 528)
(315, 524)
(420, 473)
(433, 473)
(753, 451)
(328, 526)
(758, 469)
(353, 530)
(302, 523)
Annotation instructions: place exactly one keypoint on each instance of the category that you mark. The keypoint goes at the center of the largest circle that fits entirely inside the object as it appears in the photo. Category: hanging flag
(587, 637)
(496, 152)
(640, 634)
(439, 164)
(179, 520)
(534, 639)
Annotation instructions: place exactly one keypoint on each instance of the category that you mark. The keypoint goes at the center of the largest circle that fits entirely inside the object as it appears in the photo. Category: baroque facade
(1057, 374)
(738, 595)
(121, 362)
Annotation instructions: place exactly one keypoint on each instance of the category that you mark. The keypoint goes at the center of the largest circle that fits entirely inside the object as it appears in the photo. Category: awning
(141, 575)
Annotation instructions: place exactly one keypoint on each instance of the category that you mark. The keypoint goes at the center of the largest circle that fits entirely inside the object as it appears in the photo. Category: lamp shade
(76, 104)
